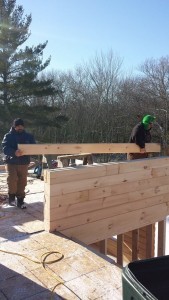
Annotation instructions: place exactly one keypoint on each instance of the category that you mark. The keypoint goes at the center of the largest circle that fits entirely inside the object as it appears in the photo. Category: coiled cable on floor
(60, 281)
(43, 262)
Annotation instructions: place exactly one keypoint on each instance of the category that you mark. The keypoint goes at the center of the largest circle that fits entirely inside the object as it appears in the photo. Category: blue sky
(135, 30)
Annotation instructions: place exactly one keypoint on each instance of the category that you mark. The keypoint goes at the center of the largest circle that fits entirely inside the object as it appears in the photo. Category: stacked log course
(95, 202)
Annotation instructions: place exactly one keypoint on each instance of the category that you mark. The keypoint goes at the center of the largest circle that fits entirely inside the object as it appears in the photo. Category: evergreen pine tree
(19, 67)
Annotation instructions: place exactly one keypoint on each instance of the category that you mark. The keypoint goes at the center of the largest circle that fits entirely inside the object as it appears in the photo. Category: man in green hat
(140, 135)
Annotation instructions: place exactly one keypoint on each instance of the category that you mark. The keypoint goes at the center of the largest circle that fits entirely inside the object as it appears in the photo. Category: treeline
(102, 105)
(95, 103)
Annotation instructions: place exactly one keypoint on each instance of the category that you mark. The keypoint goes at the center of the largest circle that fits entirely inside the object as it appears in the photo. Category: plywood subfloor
(84, 274)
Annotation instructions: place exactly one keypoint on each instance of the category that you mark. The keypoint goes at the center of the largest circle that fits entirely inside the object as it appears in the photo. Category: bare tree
(156, 76)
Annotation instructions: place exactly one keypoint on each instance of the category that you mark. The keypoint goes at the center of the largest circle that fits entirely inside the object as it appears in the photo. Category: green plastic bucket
(146, 279)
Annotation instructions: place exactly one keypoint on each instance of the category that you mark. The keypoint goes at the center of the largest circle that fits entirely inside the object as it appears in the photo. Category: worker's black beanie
(18, 122)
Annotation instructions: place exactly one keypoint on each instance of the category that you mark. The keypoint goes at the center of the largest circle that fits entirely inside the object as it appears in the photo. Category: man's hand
(142, 150)
(18, 153)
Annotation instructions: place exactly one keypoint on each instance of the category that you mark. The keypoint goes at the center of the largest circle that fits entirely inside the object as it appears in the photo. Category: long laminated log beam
(85, 148)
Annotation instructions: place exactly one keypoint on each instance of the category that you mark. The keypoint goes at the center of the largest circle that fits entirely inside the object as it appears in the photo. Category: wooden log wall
(92, 203)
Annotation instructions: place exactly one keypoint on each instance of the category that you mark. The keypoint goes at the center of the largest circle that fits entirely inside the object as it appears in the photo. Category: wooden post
(120, 249)
(103, 246)
(135, 238)
(149, 240)
(88, 160)
(161, 238)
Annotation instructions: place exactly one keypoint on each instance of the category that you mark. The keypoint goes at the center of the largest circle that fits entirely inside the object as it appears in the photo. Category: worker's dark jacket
(10, 145)
(139, 136)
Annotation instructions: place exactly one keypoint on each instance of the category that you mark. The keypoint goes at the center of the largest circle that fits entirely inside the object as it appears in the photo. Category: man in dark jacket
(140, 135)
(17, 163)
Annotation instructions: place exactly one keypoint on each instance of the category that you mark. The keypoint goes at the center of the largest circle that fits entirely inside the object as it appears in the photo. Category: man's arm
(6, 146)
(31, 141)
